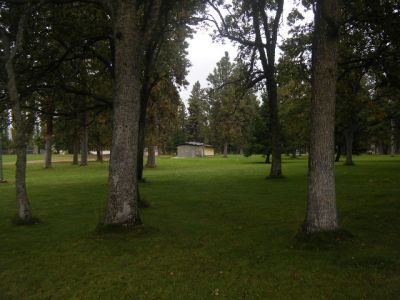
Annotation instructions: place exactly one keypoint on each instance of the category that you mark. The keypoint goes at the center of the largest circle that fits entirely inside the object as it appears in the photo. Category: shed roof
(195, 144)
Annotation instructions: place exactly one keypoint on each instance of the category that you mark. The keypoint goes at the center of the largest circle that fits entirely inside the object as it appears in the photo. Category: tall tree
(232, 105)
(321, 204)
(12, 31)
(198, 108)
(254, 24)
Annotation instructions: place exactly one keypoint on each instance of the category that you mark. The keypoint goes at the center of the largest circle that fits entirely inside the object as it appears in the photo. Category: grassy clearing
(216, 228)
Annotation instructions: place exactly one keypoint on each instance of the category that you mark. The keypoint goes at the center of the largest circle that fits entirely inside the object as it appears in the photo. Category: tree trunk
(49, 142)
(338, 153)
(122, 207)
(321, 205)
(144, 100)
(349, 136)
(140, 158)
(392, 138)
(24, 210)
(226, 149)
(84, 142)
(267, 158)
(267, 58)
(99, 155)
(76, 151)
(276, 166)
(1, 157)
(151, 157)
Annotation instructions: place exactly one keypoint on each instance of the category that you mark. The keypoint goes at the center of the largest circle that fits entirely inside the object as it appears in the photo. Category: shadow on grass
(275, 177)
(328, 240)
(136, 231)
(16, 220)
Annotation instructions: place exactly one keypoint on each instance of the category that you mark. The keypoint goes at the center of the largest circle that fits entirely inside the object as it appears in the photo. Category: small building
(193, 149)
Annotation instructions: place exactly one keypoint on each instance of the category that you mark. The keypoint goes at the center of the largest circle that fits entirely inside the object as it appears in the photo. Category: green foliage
(232, 105)
(198, 110)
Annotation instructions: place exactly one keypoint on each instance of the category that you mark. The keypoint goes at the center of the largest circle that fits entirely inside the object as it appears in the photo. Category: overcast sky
(204, 53)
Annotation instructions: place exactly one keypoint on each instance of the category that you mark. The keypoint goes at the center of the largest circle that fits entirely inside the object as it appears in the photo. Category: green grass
(216, 228)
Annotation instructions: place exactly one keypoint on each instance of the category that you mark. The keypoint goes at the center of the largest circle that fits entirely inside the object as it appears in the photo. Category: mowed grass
(216, 228)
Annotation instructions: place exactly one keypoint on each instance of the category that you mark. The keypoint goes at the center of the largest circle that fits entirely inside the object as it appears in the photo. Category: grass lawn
(216, 228)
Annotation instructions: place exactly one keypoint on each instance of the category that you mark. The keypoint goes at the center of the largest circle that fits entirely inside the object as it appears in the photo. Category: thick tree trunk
(49, 142)
(321, 205)
(151, 157)
(75, 158)
(226, 149)
(122, 208)
(349, 136)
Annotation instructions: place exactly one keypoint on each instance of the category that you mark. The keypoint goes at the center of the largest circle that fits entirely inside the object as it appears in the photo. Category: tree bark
(24, 210)
(349, 137)
(321, 205)
(226, 149)
(151, 157)
(122, 207)
(49, 142)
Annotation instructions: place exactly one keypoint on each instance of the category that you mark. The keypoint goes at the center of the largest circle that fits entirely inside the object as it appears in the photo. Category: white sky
(204, 53)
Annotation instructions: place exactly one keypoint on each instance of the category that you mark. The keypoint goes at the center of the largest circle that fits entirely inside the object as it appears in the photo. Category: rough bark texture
(49, 142)
(349, 137)
(226, 149)
(123, 194)
(151, 157)
(321, 205)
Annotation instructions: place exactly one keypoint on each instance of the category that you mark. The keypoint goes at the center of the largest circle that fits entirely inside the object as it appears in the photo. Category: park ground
(216, 228)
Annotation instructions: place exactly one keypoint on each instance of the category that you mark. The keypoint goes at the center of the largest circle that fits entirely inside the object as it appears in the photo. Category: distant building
(193, 149)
